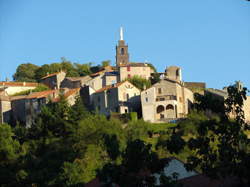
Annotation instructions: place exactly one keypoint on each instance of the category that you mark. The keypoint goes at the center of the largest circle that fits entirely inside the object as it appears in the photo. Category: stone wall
(130, 71)
(5, 111)
(165, 100)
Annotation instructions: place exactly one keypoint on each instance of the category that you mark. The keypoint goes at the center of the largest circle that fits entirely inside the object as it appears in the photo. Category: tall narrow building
(122, 56)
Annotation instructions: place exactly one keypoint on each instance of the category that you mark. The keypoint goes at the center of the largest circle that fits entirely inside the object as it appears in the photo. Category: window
(128, 68)
(122, 51)
(129, 76)
(146, 99)
(159, 90)
(135, 94)
(177, 73)
(127, 96)
(98, 99)
(126, 110)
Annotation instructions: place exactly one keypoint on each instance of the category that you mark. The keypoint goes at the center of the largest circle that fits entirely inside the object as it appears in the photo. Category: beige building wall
(130, 71)
(122, 98)
(110, 80)
(173, 73)
(246, 108)
(11, 90)
(5, 111)
(54, 80)
(97, 82)
(165, 100)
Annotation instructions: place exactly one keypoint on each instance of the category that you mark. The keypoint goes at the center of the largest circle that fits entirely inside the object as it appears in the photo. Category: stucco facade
(134, 69)
(5, 107)
(123, 97)
(166, 100)
(14, 87)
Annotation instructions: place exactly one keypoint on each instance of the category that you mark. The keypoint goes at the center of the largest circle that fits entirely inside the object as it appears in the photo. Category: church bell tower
(122, 56)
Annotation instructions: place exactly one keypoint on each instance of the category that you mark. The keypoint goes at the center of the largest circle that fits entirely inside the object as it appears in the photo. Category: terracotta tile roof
(68, 92)
(13, 98)
(37, 95)
(85, 78)
(135, 64)
(50, 75)
(110, 87)
(23, 84)
(106, 69)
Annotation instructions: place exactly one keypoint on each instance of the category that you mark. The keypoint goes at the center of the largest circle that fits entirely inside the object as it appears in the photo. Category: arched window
(122, 51)
(160, 109)
(170, 107)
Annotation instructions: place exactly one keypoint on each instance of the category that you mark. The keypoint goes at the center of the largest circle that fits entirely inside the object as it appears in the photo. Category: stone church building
(168, 99)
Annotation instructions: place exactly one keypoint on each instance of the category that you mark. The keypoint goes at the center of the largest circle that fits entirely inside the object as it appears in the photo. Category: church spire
(122, 56)
(121, 33)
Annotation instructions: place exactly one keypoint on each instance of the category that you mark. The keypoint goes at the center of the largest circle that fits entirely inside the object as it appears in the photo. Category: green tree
(10, 153)
(155, 78)
(26, 72)
(105, 63)
(83, 69)
(221, 148)
(139, 82)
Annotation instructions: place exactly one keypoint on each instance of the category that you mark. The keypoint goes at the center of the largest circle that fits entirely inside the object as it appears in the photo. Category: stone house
(15, 87)
(75, 82)
(222, 95)
(122, 97)
(26, 108)
(53, 80)
(5, 107)
(166, 100)
(134, 69)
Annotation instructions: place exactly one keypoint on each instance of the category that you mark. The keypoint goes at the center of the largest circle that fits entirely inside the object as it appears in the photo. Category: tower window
(159, 90)
(127, 96)
(122, 51)
(177, 73)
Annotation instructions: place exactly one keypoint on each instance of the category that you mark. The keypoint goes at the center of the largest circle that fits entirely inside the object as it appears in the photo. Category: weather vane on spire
(121, 33)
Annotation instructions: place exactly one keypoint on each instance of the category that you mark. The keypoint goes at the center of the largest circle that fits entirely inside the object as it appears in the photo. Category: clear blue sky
(209, 39)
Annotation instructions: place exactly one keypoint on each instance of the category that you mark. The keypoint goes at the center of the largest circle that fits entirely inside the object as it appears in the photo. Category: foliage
(139, 82)
(138, 163)
(152, 67)
(209, 103)
(70, 146)
(33, 73)
(105, 63)
(155, 78)
(220, 146)
(25, 73)
(10, 152)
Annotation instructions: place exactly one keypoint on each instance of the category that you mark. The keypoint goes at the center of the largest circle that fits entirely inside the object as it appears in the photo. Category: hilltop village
(110, 91)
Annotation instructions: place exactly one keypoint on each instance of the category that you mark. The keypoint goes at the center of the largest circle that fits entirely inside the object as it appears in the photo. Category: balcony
(166, 98)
